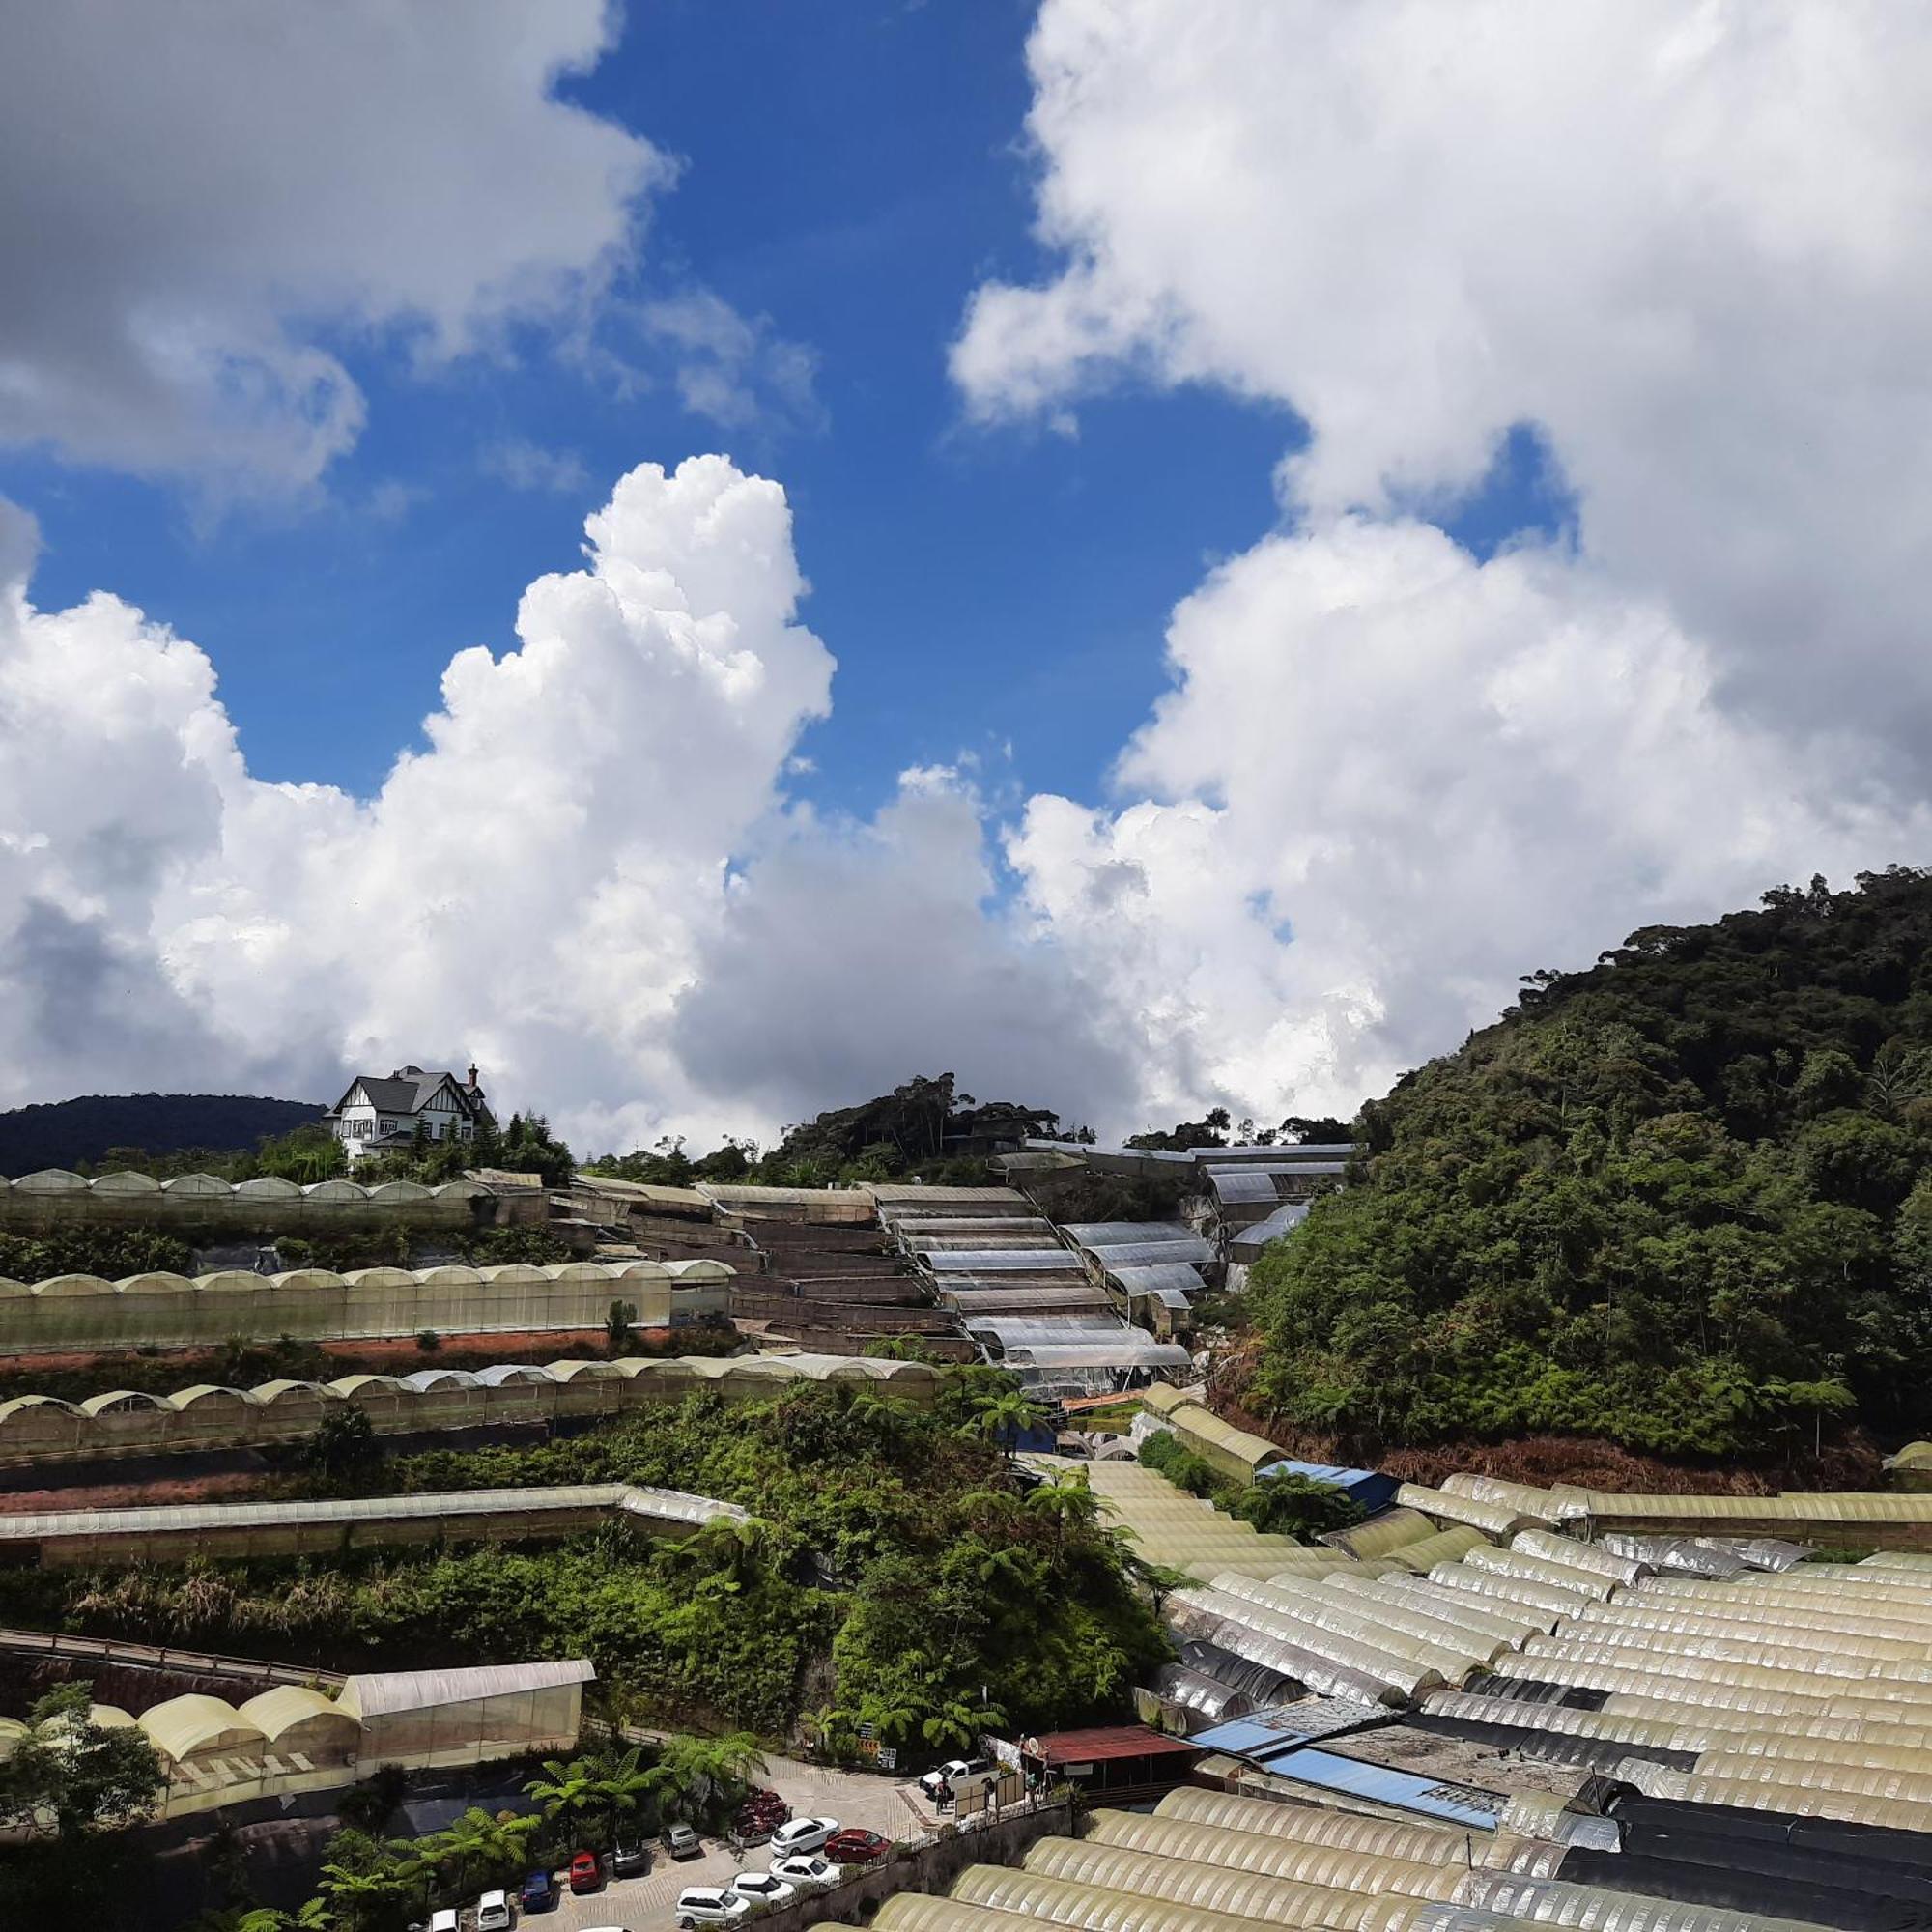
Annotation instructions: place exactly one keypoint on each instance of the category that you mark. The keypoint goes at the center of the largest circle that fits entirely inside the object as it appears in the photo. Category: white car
(763, 1888)
(801, 1835)
(492, 1912)
(805, 1871)
(707, 1905)
(958, 1775)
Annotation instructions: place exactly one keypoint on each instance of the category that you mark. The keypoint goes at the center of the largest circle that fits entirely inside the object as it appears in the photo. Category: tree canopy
(1681, 1199)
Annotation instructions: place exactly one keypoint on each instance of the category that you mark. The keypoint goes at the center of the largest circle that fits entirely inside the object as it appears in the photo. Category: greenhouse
(294, 1739)
(54, 1197)
(122, 1423)
(170, 1311)
(178, 1532)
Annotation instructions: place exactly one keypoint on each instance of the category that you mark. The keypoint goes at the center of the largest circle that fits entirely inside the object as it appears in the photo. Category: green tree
(75, 1775)
(343, 1445)
(479, 1843)
(626, 1786)
(373, 1891)
(312, 1916)
(1002, 1415)
(567, 1791)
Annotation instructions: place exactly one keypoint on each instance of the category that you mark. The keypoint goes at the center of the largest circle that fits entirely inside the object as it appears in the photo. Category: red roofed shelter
(1112, 1760)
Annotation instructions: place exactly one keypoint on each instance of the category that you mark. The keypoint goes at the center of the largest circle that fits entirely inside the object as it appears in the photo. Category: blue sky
(851, 173)
(1344, 493)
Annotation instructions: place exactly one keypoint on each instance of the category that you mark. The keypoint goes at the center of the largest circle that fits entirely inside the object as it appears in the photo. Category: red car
(854, 1846)
(587, 1873)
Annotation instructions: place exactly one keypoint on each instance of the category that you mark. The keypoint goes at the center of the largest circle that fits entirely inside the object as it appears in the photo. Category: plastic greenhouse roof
(1285, 1219)
(1002, 1261)
(1156, 1277)
(636, 1499)
(384, 1693)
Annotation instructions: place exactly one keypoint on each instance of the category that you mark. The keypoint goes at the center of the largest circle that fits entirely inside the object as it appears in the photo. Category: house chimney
(472, 1076)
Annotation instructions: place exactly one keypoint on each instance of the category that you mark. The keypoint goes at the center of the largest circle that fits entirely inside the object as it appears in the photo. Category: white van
(445, 1920)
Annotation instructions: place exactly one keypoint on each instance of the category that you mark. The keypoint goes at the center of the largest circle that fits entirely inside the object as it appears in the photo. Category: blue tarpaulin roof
(1275, 1729)
(1368, 1487)
(1460, 1804)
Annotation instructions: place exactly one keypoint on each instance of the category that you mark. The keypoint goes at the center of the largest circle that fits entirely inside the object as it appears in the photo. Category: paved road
(646, 1904)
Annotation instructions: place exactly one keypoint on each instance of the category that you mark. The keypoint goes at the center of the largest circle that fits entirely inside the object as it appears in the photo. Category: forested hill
(1683, 1200)
(67, 1133)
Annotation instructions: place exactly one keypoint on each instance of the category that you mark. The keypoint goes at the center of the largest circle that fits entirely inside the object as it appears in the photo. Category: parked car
(708, 1905)
(682, 1842)
(539, 1893)
(805, 1871)
(762, 1888)
(801, 1835)
(445, 1920)
(628, 1861)
(587, 1873)
(854, 1846)
(492, 1912)
(958, 1773)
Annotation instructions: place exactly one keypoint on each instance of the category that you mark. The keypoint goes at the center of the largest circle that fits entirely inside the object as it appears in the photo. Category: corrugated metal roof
(1105, 1743)
(1267, 1733)
(1460, 1804)
(384, 1693)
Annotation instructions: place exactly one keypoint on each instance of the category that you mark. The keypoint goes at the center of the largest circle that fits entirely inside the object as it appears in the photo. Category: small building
(1117, 1761)
(1369, 1488)
(379, 1114)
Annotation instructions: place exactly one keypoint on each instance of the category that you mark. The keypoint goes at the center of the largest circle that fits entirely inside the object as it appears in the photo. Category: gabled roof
(408, 1089)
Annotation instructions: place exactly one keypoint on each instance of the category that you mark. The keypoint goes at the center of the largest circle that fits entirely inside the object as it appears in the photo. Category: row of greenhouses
(131, 1422)
(1231, 1864)
(172, 1311)
(55, 1198)
(180, 1532)
(296, 1739)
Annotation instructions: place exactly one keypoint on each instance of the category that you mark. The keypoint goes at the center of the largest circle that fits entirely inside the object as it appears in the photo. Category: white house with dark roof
(378, 1114)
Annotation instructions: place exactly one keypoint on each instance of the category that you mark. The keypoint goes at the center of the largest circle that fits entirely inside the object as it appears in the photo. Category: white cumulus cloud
(201, 202)
(1680, 243)
(1390, 779)
(548, 886)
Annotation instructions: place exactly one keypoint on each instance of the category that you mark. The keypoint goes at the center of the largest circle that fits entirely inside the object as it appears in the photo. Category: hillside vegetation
(84, 1132)
(1682, 1201)
(896, 1575)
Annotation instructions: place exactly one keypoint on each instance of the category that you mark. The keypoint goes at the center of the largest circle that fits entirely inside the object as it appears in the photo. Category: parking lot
(647, 1904)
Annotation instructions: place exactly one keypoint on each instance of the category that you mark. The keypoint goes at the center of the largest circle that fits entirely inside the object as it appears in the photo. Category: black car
(629, 1860)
